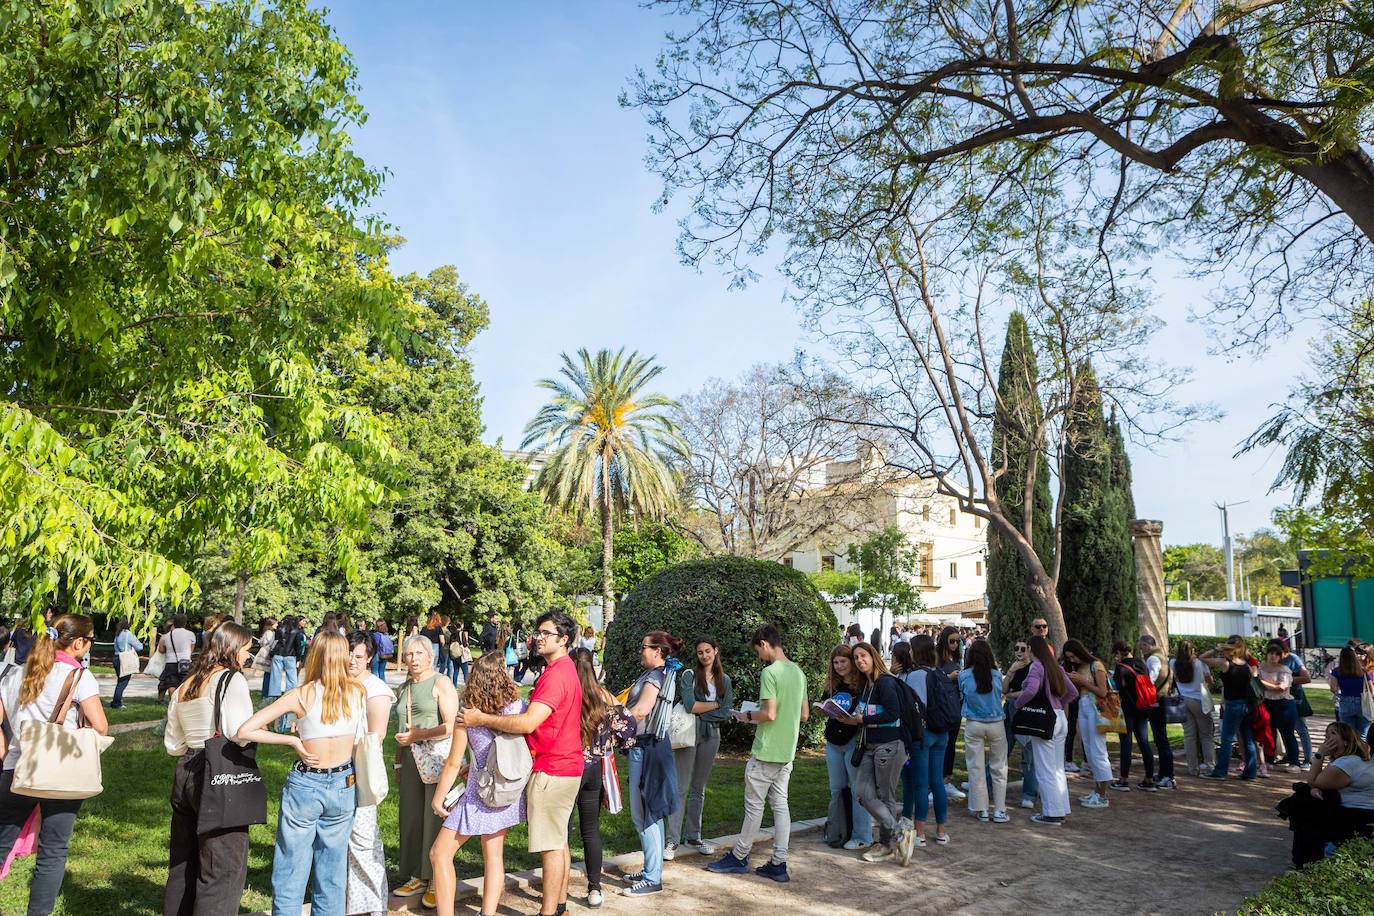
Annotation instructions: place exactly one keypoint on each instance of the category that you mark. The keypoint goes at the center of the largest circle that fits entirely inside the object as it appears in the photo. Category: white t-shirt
(178, 645)
(587, 642)
(1360, 792)
(42, 708)
(1193, 689)
(376, 687)
(190, 723)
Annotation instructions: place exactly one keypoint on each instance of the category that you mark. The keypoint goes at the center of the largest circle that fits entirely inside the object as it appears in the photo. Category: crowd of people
(478, 761)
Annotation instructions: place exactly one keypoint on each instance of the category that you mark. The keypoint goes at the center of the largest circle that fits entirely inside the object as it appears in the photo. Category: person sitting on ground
(1337, 803)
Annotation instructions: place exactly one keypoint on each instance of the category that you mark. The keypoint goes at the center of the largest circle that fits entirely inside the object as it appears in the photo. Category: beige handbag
(128, 663)
(57, 762)
(369, 767)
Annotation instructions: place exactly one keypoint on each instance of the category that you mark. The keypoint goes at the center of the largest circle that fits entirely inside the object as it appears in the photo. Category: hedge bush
(1342, 884)
(726, 598)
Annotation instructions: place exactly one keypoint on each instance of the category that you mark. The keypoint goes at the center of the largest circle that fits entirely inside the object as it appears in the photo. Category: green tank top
(419, 702)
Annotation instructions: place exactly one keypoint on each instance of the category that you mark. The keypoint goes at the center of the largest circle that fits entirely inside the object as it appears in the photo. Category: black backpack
(944, 708)
(911, 716)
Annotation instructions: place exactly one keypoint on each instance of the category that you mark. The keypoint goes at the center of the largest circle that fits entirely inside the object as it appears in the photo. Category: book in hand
(831, 709)
(749, 706)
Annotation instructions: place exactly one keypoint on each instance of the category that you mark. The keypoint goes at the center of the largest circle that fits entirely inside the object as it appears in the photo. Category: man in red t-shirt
(553, 728)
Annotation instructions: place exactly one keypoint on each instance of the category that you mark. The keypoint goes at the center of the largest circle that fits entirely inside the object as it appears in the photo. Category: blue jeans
(843, 775)
(924, 776)
(283, 681)
(1030, 786)
(1283, 718)
(313, 826)
(1235, 721)
(1348, 711)
(650, 835)
(1306, 738)
(379, 668)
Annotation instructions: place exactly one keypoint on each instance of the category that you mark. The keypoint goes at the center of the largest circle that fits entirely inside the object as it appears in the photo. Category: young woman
(288, 648)
(842, 684)
(880, 767)
(588, 640)
(491, 690)
(512, 657)
(434, 632)
(458, 642)
(949, 652)
(1190, 674)
(426, 708)
(923, 785)
(1012, 682)
(1049, 752)
(1089, 676)
(904, 669)
(606, 726)
(267, 635)
(654, 653)
(206, 872)
(178, 647)
(1337, 803)
(1230, 659)
(124, 641)
(985, 737)
(366, 890)
(53, 676)
(1348, 682)
(1277, 681)
(704, 691)
(319, 798)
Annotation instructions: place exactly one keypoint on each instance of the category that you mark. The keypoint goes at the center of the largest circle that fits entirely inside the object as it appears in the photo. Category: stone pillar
(1149, 579)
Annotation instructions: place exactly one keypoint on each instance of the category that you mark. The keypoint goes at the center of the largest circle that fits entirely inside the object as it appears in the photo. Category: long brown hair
(70, 628)
(1184, 657)
(942, 650)
(717, 672)
(327, 665)
(1349, 665)
(980, 658)
(222, 645)
(489, 687)
(1054, 675)
(851, 682)
(879, 669)
(594, 705)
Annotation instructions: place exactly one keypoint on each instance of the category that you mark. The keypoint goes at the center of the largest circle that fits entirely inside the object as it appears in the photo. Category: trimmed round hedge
(727, 598)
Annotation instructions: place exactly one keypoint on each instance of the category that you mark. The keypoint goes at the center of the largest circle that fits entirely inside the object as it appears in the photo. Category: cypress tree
(1010, 605)
(1097, 586)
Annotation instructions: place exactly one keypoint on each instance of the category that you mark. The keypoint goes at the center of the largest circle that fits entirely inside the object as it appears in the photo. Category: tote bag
(1035, 719)
(128, 663)
(57, 762)
(156, 662)
(370, 768)
(610, 785)
(232, 791)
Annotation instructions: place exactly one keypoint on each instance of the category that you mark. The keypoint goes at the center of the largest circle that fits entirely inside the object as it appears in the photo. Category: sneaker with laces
(670, 852)
(982, 816)
(642, 888)
(1095, 801)
(703, 847)
(1000, 817)
(954, 793)
(1148, 785)
(632, 877)
(411, 888)
(774, 871)
(594, 898)
(1047, 821)
(1070, 767)
(877, 853)
(1120, 785)
(853, 845)
(1166, 782)
(1028, 803)
(728, 864)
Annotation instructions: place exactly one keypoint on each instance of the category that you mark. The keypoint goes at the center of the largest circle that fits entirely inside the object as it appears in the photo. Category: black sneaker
(1120, 785)
(1148, 785)
(777, 871)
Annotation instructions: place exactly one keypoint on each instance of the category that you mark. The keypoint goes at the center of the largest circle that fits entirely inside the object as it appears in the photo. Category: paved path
(1201, 848)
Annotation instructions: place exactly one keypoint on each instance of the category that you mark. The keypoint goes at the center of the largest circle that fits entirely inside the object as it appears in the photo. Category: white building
(1230, 618)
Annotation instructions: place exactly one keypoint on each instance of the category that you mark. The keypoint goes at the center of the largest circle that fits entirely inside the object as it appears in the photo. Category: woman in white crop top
(206, 871)
(318, 801)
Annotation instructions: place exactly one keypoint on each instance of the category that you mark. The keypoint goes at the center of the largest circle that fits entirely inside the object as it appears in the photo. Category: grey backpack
(502, 779)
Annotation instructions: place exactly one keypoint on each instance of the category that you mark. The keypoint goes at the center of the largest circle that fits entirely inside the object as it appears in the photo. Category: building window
(787, 561)
(977, 522)
(925, 513)
(977, 567)
(954, 570)
(927, 567)
(828, 561)
(953, 516)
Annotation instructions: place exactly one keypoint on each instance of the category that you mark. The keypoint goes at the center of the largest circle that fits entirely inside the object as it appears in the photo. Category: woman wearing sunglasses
(1014, 678)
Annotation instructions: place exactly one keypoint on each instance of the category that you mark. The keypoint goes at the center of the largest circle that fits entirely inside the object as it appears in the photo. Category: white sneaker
(594, 899)
(1095, 801)
(853, 845)
(1070, 767)
(670, 852)
(954, 793)
(1027, 803)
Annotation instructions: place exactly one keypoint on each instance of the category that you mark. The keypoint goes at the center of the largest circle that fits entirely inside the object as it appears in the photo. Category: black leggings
(589, 820)
(1137, 727)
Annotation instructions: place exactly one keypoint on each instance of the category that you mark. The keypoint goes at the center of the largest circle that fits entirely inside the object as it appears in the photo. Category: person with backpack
(490, 690)
(938, 700)
(985, 737)
(881, 751)
(1157, 667)
(1090, 677)
(551, 725)
(1047, 678)
(1012, 682)
(1137, 691)
(949, 651)
(842, 685)
(1230, 660)
(288, 648)
(384, 649)
(365, 893)
(704, 691)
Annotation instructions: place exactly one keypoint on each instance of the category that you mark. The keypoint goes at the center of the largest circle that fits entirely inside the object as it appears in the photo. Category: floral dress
(470, 817)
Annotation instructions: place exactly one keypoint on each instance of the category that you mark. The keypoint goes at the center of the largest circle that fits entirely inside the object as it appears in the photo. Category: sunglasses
(1040, 626)
(1021, 648)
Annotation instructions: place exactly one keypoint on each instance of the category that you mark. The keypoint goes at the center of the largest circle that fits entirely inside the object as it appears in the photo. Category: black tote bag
(1036, 718)
(232, 791)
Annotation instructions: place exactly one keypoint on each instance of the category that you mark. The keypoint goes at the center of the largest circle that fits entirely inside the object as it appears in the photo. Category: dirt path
(1201, 848)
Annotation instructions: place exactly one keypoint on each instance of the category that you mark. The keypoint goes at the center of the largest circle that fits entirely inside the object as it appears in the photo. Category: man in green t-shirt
(782, 702)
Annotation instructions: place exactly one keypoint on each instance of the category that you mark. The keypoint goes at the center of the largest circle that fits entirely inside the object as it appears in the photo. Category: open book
(831, 709)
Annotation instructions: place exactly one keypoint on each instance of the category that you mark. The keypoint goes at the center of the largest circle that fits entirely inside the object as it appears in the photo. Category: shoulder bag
(128, 662)
(156, 662)
(369, 766)
(429, 754)
(683, 728)
(1367, 703)
(856, 756)
(232, 791)
(57, 762)
(1036, 719)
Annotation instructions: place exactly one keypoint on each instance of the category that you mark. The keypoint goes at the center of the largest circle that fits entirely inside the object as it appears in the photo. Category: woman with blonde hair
(54, 679)
(319, 798)
(491, 690)
(1336, 804)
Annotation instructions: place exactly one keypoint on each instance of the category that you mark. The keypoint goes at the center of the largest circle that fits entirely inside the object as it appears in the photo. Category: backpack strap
(64, 701)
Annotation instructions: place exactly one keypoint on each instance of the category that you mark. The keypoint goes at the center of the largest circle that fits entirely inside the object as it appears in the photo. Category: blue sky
(511, 158)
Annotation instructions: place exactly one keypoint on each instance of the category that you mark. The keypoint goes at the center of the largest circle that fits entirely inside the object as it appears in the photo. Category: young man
(553, 727)
(782, 696)
(1136, 716)
(1158, 668)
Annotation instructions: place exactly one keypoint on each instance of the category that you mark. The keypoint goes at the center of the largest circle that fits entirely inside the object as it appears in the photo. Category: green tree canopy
(180, 240)
(887, 565)
(1196, 571)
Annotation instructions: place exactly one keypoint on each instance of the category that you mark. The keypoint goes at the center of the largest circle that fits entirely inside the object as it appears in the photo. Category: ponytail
(69, 628)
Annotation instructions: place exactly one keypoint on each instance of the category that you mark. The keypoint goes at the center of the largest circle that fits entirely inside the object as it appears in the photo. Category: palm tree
(609, 444)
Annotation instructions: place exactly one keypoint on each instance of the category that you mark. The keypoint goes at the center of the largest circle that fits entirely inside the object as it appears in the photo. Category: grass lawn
(136, 709)
(118, 860)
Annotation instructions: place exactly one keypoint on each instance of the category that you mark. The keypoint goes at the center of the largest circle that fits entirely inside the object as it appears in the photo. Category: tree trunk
(1038, 582)
(1348, 181)
(240, 596)
(607, 543)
